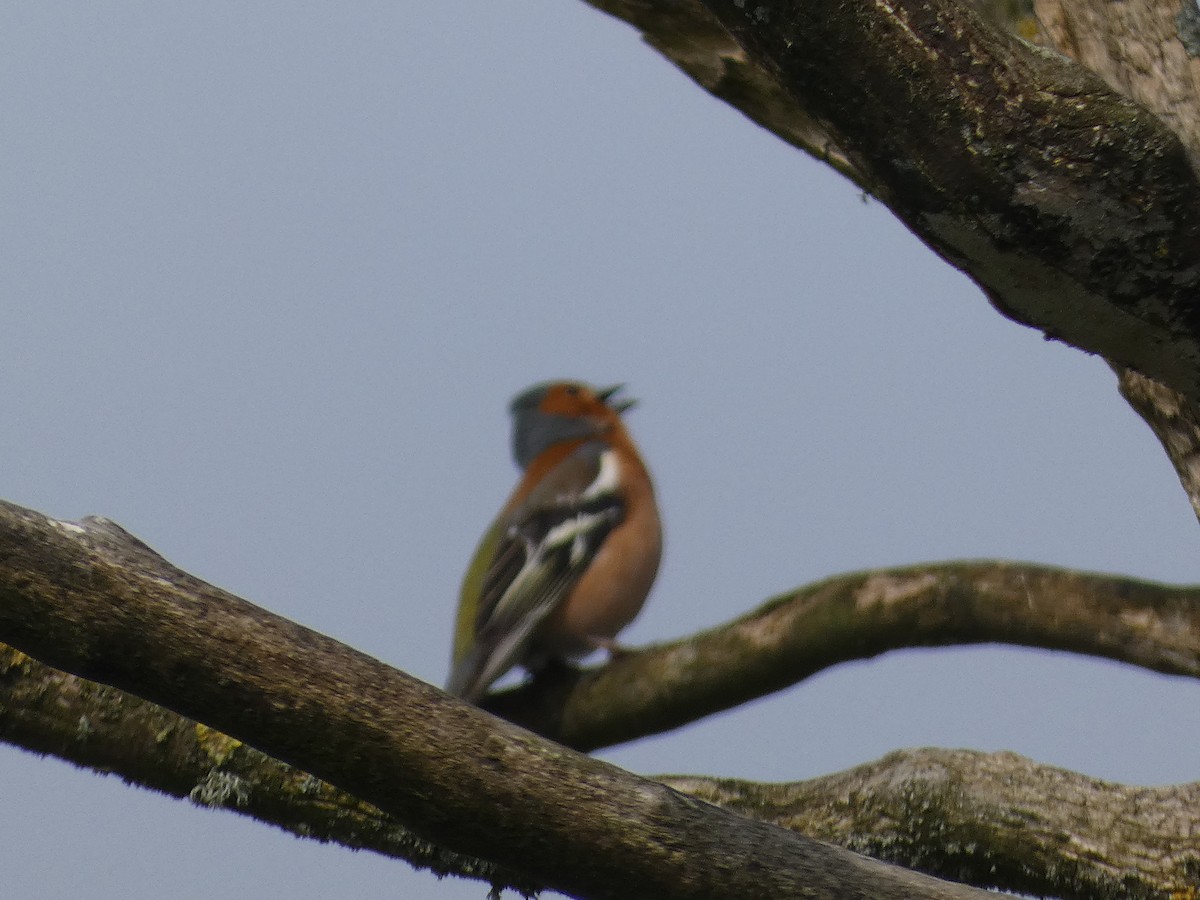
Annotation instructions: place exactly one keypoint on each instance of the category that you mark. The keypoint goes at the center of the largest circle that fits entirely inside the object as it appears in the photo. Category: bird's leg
(610, 646)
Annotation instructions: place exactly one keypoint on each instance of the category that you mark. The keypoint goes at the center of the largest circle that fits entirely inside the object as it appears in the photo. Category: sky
(271, 273)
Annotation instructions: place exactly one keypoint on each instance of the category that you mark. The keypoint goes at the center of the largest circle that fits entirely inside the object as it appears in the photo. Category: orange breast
(612, 590)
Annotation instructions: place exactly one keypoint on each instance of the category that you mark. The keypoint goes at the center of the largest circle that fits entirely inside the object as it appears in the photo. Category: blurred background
(271, 273)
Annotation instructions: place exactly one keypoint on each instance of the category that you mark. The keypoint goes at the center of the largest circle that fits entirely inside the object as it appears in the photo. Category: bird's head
(556, 411)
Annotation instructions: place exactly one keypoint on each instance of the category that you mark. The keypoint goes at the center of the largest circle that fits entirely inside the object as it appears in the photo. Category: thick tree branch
(1045, 831)
(1147, 51)
(858, 616)
(109, 731)
(91, 583)
(973, 817)
(90, 599)
(1077, 211)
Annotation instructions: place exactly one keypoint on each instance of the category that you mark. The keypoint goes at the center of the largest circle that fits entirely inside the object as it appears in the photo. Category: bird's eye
(572, 390)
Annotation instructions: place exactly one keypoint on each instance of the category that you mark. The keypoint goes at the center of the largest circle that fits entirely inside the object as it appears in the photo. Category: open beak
(606, 394)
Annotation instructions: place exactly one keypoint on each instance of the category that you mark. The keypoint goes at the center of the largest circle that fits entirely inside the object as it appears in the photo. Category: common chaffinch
(569, 560)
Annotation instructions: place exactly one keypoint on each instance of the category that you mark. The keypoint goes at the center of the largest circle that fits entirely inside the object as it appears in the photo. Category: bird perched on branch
(572, 555)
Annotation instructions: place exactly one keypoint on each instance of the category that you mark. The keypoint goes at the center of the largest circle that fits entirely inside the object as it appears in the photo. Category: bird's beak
(606, 394)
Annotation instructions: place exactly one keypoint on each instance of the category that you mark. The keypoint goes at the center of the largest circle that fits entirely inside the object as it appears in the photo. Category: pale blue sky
(271, 273)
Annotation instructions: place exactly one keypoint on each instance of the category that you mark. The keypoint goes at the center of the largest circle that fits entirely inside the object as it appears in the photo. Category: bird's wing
(529, 561)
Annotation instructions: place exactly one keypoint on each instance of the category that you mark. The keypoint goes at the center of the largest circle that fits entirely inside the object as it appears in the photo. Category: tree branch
(858, 616)
(1147, 51)
(1044, 831)
(92, 600)
(109, 731)
(1074, 209)
(979, 818)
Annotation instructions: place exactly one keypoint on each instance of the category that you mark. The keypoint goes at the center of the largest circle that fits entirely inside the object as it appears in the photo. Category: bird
(574, 551)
